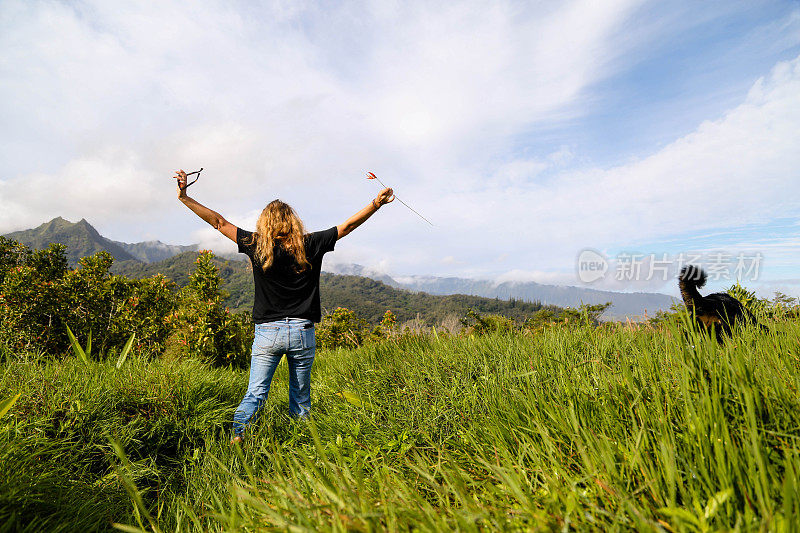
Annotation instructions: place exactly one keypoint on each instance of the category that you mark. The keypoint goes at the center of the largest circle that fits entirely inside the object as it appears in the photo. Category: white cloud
(546, 278)
(103, 101)
(111, 184)
(737, 170)
(210, 239)
(299, 95)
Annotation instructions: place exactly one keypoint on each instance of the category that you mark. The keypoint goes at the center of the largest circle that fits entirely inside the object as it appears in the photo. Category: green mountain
(371, 298)
(80, 238)
(154, 251)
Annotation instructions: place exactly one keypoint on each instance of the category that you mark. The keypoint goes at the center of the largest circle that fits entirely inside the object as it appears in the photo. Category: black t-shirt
(280, 291)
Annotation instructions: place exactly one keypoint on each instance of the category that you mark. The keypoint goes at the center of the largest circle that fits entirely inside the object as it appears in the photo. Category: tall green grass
(567, 429)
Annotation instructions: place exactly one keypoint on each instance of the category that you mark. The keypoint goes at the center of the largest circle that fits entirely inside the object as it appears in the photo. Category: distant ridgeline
(367, 297)
(81, 239)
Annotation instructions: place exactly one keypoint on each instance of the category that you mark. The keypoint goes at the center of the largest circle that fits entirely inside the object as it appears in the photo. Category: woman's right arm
(212, 217)
(386, 196)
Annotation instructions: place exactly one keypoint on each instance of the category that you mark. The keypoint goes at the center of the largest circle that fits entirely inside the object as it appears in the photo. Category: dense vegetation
(560, 428)
(554, 422)
(368, 298)
(41, 298)
(42, 301)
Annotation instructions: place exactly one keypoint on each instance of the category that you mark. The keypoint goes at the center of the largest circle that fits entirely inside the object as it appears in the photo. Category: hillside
(369, 298)
(372, 298)
(624, 304)
(238, 282)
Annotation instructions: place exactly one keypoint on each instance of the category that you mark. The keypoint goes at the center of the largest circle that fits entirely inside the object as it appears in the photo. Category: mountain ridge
(80, 238)
(634, 305)
(155, 251)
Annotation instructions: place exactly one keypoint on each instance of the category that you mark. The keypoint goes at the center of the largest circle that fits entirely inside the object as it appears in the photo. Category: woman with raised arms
(286, 267)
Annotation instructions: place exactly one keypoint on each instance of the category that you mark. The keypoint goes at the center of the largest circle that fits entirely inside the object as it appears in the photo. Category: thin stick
(371, 176)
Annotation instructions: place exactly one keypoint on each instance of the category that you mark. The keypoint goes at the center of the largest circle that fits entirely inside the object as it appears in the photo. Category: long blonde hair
(279, 224)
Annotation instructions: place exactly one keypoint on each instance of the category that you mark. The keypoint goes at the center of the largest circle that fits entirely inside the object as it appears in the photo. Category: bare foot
(236, 440)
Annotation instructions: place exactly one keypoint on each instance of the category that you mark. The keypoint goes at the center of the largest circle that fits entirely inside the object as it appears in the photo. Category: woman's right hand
(181, 177)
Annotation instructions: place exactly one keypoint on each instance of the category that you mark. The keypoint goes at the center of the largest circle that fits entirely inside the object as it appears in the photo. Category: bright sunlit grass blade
(125, 349)
(76, 347)
(123, 471)
(7, 404)
(352, 398)
(127, 528)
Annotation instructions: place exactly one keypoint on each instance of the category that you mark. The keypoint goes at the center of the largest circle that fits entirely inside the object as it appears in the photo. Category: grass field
(566, 429)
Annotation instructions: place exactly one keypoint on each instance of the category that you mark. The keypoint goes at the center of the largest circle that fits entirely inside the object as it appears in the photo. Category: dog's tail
(690, 279)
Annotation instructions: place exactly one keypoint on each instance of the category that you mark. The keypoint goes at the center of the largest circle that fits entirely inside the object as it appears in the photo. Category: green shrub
(13, 255)
(784, 306)
(203, 326)
(751, 302)
(477, 324)
(540, 319)
(32, 298)
(341, 329)
(386, 329)
(40, 297)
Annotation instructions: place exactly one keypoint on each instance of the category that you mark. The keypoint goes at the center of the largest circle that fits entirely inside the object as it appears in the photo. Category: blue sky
(526, 131)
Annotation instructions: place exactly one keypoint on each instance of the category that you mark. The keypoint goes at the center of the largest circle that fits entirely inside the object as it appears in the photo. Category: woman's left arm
(212, 217)
(386, 196)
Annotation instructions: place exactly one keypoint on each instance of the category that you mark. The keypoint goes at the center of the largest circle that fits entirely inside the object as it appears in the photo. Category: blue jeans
(293, 337)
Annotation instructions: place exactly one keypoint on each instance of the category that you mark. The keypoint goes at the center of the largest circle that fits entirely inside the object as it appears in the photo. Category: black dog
(718, 311)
